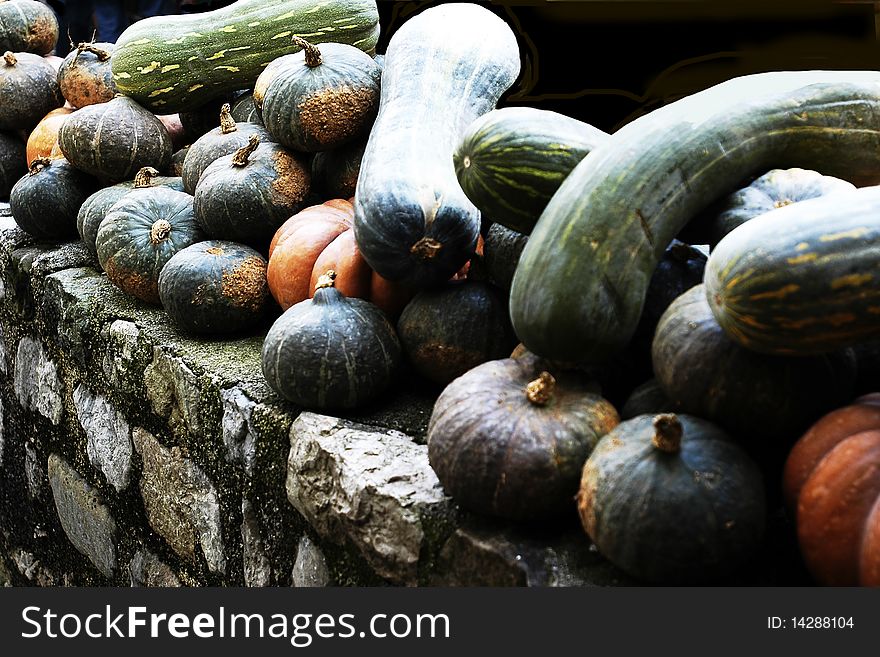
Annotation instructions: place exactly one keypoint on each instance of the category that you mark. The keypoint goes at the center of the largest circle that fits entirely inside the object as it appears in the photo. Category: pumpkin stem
(313, 55)
(242, 154)
(426, 248)
(540, 391)
(101, 54)
(328, 279)
(9, 58)
(160, 231)
(667, 433)
(38, 164)
(227, 123)
(144, 177)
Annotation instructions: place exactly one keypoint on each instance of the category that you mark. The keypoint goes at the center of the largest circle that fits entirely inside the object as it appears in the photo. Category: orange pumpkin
(317, 239)
(832, 478)
(45, 135)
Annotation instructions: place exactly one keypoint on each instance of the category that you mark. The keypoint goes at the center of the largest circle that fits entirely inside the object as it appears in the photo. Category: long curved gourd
(580, 285)
(443, 69)
(176, 63)
(802, 279)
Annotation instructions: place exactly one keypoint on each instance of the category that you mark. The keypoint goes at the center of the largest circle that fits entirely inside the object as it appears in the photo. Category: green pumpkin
(29, 89)
(13, 162)
(322, 98)
(245, 110)
(45, 201)
(27, 26)
(140, 234)
(335, 172)
(85, 77)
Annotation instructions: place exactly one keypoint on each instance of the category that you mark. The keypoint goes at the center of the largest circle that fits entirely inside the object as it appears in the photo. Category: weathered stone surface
(34, 472)
(84, 517)
(146, 569)
(375, 489)
(32, 568)
(4, 364)
(2, 432)
(173, 391)
(5, 210)
(128, 352)
(310, 567)
(109, 436)
(5, 575)
(37, 384)
(257, 568)
(238, 430)
(181, 502)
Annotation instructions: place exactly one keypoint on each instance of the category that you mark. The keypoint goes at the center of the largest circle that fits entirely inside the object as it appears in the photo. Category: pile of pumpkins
(383, 209)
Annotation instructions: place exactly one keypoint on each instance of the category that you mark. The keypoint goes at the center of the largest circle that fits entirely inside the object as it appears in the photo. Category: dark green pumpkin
(214, 287)
(45, 201)
(114, 140)
(140, 234)
(756, 397)
(85, 77)
(246, 196)
(509, 439)
(27, 26)
(322, 98)
(29, 89)
(95, 207)
(501, 250)
(225, 139)
(13, 162)
(335, 172)
(672, 499)
(330, 351)
(245, 110)
(203, 119)
(646, 399)
(177, 160)
(449, 330)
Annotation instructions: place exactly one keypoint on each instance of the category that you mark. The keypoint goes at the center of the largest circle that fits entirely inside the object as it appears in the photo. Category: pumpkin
(214, 144)
(832, 478)
(140, 234)
(85, 77)
(646, 399)
(245, 110)
(29, 89)
(13, 164)
(27, 26)
(330, 351)
(177, 160)
(214, 287)
(114, 140)
(203, 119)
(509, 439)
(501, 250)
(319, 238)
(45, 200)
(44, 137)
(672, 499)
(323, 97)
(449, 330)
(246, 196)
(95, 207)
(335, 172)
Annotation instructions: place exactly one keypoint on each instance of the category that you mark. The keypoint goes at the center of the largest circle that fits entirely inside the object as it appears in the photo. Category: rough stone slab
(127, 354)
(257, 567)
(4, 365)
(34, 472)
(5, 210)
(2, 431)
(372, 488)
(109, 436)
(238, 429)
(146, 569)
(173, 391)
(181, 502)
(84, 517)
(36, 382)
(310, 567)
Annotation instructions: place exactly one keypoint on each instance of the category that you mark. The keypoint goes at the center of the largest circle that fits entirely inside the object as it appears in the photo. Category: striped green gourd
(802, 279)
(176, 63)
(511, 161)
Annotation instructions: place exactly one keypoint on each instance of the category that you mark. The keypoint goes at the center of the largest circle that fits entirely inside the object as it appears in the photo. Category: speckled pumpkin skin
(29, 90)
(45, 203)
(213, 145)
(13, 164)
(27, 26)
(85, 78)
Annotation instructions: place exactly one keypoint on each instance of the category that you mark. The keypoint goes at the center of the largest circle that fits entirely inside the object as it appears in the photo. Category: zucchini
(511, 161)
(173, 64)
(580, 284)
(443, 68)
(802, 279)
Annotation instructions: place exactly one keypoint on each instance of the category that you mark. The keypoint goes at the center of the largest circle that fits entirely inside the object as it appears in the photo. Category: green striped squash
(512, 160)
(176, 63)
(802, 279)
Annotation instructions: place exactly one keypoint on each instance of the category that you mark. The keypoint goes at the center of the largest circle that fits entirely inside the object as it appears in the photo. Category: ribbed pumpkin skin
(753, 396)
(247, 204)
(802, 279)
(443, 68)
(44, 203)
(213, 145)
(29, 89)
(646, 399)
(115, 140)
(13, 164)
(330, 352)
(449, 330)
(199, 56)
(95, 208)
(500, 454)
(27, 26)
(85, 77)
(832, 478)
(692, 516)
(177, 160)
(214, 287)
(311, 109)
(625, 202)
(125, 249)
(335, 172)
(510, 161)
(245, 111)
(44, 137)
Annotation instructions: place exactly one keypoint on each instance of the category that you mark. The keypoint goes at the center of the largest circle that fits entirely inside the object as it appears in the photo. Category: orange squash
(44, 137)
